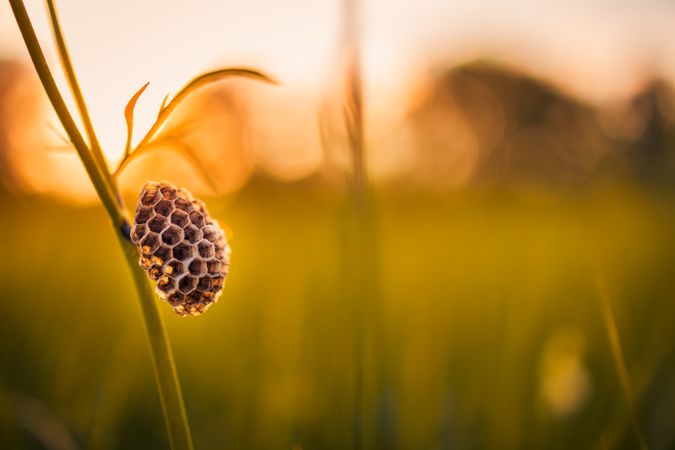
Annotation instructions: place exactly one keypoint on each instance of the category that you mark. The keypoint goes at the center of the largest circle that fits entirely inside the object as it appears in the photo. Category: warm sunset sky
(596, 48)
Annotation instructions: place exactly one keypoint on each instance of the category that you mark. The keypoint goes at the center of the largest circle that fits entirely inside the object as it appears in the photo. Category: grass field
(490, 327)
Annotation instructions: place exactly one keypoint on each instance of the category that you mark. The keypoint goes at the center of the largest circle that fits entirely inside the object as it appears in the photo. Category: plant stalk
(104, 190)
(165, 372)
(75, 89)
(170, 393)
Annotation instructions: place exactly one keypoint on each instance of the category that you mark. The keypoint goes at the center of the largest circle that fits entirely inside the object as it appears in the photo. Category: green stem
(165, 372)
(104, 190)
(77, 94)
(619, 359)
(175, 416)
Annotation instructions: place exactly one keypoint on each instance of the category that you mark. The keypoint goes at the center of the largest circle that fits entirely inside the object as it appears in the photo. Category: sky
(595, 49)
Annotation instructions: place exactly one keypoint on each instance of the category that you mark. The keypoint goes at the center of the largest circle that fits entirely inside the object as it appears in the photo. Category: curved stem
(165, 372)
(195, 83)
(75, 89)
(105, 190)
(163, 364)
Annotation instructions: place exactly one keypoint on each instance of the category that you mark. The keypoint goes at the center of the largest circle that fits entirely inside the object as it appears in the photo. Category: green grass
(474, 287)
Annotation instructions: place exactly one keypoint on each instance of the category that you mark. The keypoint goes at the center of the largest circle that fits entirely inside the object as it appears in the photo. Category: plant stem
(619, 359)
(165, 372)
(77, 94)
(358, 267)
(104, 190)
(164, 367)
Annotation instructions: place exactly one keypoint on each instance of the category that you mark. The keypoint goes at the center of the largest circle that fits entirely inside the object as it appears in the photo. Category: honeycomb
(182, 248)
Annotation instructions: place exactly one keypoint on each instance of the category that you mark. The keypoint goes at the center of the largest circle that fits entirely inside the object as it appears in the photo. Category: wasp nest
(182, 248)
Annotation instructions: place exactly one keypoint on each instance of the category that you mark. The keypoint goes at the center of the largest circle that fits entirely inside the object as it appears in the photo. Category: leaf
(161, 108)
(129, 117)
(194, 84)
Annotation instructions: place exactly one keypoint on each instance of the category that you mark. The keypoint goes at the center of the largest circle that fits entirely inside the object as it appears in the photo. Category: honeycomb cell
(210, 233)
(166, 284)
(222, 252)
(164, 207)
(193, 234)
(197, 267)
(187, 284)
(155, 271)
(157, 223)
(137, 233)
(172, 235)
(168, 192)
(163, 253)
(218, 283)
(214, 267)
(205, 249)
(150, 197)
(143, 214)
(174, 268)
(176, 298)
(205, 283)
(183, 204)
(150, 243)
(179, 218)
(145, 262)
(183, 251)
(194, 297)
(197, 218)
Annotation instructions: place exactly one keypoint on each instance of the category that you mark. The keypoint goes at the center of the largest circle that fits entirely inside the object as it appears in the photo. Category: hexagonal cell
(197, 266)
(205, 249)
(172, 235)
(168, 192)
(143, 214)
(183, 251)
(163, 253)
(210, 233)
(199, 205)
(150, 197)
(193, 297)
(174, 267)
(222, 252)
(150, 243)
(218, 283)
(157, 223)
(183, 204)
(197, 219)
(155, 271)
(180, 218)
(145, 262)
(164, 207)
(205, 283)
(193, 234)
(137, 233)
(175, 298)
(187, 283)
(214, 267)
(166, 284)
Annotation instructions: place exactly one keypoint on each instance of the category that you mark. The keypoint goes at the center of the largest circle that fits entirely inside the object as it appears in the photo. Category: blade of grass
(619, 358)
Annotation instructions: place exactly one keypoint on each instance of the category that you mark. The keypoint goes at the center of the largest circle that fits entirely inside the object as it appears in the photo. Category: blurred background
(521, 159)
